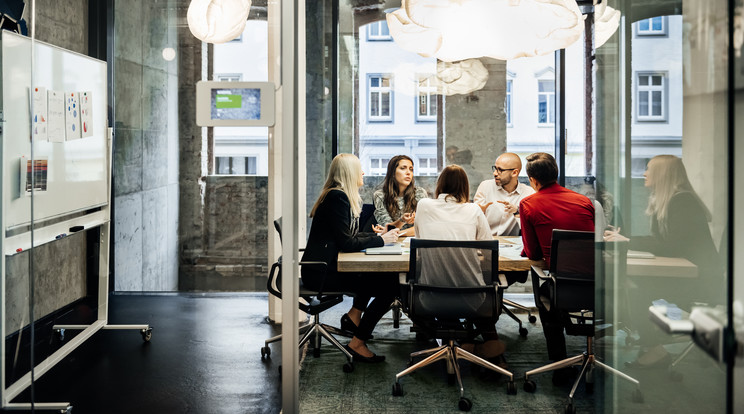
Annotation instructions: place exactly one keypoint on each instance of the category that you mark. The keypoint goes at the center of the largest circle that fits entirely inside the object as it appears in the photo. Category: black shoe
(347, 324)
(359, 358)
(564, 376)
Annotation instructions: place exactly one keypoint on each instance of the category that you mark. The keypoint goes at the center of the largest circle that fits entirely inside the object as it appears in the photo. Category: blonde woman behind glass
(335, 228)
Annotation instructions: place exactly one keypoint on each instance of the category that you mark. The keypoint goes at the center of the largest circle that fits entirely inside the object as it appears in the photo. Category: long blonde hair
(668, 177)
(343, 175)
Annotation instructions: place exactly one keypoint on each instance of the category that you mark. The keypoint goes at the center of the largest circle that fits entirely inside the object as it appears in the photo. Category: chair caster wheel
(529, 386)
(570, 409)
(146, 334)
(397, 390)
(464, 404)
(265, 353)
(523, 332)
(637, 396)
(532, 318)
(316, 352)
(348, 367)
(511, 388)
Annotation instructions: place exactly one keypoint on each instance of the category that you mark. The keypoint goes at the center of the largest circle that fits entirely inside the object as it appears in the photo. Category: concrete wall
(146, 163)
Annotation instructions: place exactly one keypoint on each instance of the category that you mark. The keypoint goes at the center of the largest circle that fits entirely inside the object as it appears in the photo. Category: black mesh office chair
(446, 311)
(573, 256)
(313, 303)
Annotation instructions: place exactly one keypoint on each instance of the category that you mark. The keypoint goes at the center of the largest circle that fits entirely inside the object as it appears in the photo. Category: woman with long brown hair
(395, 203)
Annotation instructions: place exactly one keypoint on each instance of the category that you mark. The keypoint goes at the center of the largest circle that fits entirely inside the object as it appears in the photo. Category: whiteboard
(77, 174)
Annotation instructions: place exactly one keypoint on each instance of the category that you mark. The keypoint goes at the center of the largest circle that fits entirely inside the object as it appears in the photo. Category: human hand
(378, 229)
(390, 237)
(484, 207)
(408, 218)
(508, 207)
(613, 234)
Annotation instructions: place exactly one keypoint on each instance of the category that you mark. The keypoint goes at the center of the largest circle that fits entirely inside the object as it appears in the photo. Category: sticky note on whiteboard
(56, 116)
(86, 116)
(39, 121)
(72, 116)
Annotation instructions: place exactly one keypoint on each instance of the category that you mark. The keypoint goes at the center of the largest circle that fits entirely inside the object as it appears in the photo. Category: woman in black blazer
(335, 228)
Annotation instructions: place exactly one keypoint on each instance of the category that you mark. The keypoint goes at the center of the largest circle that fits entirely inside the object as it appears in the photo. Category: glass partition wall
(663, 140)
(650, 145)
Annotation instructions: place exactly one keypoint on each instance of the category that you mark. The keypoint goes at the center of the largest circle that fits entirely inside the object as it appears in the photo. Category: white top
(501, 222)
(441, 219)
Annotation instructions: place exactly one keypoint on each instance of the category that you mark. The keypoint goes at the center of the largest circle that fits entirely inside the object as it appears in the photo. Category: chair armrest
(503, 283)
(540, 272)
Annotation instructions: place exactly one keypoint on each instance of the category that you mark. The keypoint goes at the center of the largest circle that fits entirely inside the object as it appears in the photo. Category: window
(380, 98)
(546, 102)
(654, 26)
(426, 104)
(228, 77)
(651, 97)
(508, 103)
(235, 165)
(427, 166)
(377, 31)
(378, 165)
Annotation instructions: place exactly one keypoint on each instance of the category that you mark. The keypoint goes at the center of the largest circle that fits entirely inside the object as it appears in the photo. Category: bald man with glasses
(499, 198)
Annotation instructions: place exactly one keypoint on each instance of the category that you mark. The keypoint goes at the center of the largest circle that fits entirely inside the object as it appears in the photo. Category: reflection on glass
(242, 59)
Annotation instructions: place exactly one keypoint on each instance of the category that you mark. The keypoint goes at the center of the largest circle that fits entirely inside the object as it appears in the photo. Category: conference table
(510, 261)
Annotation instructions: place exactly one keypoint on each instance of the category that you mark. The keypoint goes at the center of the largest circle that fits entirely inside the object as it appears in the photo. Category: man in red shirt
(551, 207)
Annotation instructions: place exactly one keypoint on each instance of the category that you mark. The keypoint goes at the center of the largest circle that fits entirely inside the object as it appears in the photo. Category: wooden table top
(361, 262)
(652, 267)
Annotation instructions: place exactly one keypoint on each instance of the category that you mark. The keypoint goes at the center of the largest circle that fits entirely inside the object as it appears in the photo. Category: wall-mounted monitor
(234, 103)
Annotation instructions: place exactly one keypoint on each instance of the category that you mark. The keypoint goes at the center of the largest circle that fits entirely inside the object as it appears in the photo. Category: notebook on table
(395, 248)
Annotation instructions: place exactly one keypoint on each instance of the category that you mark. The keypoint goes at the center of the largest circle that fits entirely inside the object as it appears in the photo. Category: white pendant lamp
(453, 30)
(217, 21)
(461, 77)
(606, 22)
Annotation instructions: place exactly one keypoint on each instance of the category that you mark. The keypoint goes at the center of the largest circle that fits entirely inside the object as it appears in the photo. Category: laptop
(394, 248)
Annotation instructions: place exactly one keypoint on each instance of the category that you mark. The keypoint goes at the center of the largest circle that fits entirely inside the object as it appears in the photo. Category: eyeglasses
(498, 170)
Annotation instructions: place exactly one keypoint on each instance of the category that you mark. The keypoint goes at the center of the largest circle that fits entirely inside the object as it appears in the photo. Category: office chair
(313, 303)
(447, 312)
(572, 270)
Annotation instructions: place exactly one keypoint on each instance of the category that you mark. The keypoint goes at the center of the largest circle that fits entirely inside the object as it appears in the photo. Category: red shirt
(553, 207)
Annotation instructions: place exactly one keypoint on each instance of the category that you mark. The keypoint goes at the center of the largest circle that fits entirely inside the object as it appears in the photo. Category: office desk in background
(361, 262)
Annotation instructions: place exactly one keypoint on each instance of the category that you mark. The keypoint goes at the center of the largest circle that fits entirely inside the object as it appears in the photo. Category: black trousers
(553, 326)
(383, 287)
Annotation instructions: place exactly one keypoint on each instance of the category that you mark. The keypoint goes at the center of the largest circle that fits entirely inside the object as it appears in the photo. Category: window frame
(431, 98)
(651, 88)
(380, 90)
(650, 31)
(372, 37)
(228, 77)
(550, 103)
(381, 170)
(231, 159)
(509, 102)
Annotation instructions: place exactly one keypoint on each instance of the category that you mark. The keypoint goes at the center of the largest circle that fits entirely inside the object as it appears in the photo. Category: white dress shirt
(442, 219)
(501, 222)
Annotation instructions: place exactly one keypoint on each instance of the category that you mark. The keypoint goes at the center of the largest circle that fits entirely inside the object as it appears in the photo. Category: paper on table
(635, 254)
(395, 248)
(512, 251)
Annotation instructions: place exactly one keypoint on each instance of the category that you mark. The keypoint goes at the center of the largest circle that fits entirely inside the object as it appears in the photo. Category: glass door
(663, 141)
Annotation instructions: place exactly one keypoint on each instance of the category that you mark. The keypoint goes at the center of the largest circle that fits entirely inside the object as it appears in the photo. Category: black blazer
(331, 233)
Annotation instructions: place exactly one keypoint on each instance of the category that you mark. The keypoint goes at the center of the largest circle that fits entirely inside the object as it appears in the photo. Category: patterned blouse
(383, 216)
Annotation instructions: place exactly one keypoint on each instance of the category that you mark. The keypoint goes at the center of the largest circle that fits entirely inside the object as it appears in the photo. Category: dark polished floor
(204, 357)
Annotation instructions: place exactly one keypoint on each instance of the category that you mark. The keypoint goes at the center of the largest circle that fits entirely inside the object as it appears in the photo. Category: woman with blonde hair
(335, 228)
(395, 203)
